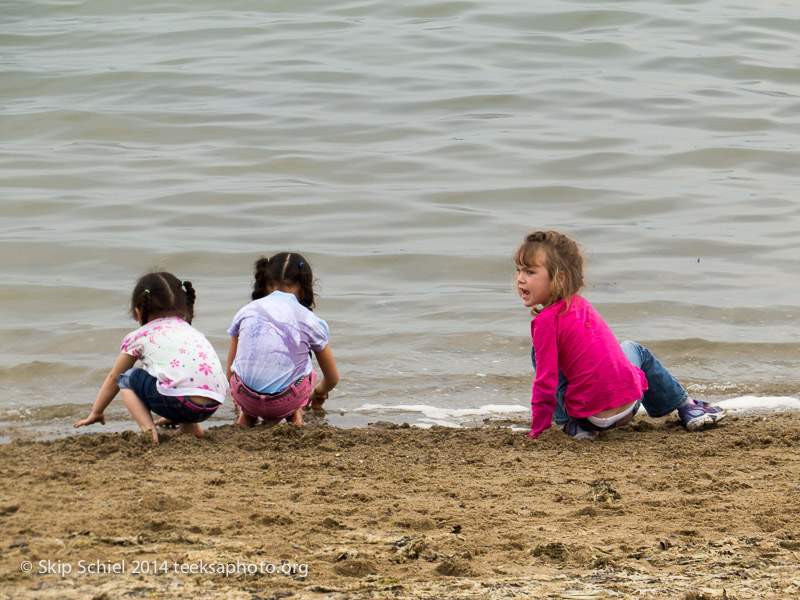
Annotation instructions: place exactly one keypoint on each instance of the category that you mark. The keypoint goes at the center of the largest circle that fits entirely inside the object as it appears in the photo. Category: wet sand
(649, 511)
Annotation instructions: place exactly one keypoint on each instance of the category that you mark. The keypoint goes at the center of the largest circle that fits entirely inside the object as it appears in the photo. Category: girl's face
(533, 282)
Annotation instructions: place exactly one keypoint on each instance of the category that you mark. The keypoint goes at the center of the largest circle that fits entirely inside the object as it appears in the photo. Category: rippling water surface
(405, 150)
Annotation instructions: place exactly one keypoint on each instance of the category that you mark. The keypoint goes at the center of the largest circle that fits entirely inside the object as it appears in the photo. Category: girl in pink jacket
(590, 381)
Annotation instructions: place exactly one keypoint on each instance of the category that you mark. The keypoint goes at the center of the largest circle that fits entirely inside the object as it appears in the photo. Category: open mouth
(524, 294)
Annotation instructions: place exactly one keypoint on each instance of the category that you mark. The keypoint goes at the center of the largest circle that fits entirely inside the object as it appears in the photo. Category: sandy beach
(649, 511)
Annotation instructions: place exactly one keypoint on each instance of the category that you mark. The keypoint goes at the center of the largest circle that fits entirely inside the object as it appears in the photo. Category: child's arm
(232, 355)
(330, 377)
(108, 391)
(545, 383)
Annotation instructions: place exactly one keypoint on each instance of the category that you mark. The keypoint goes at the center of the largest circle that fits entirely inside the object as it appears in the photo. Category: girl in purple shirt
(272, 339)
(584, 376)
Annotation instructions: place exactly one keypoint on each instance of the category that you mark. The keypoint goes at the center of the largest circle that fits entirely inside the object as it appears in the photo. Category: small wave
(435, 415)
(426, 415)
(759, 403)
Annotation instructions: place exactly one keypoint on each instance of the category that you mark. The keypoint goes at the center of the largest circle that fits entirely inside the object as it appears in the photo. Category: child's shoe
(574, 430)
(696, 415)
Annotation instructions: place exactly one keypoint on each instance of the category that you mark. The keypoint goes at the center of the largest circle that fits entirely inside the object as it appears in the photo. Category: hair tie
(302, 263)
(268, 261)
(147, 291)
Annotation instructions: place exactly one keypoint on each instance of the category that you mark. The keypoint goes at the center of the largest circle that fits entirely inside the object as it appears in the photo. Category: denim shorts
(178, 409)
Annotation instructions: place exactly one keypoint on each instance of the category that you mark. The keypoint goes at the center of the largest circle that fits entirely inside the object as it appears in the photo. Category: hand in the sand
(92, 418)
(317, 399)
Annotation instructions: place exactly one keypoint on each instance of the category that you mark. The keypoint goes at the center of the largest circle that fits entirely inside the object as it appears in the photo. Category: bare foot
(297, 417)
(193, 428)
(246, 420)
(163, 422)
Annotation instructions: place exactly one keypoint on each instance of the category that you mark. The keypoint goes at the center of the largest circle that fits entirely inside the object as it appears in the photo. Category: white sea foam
(758, 403)
(429, 416)
(442, 416)
(428, 423)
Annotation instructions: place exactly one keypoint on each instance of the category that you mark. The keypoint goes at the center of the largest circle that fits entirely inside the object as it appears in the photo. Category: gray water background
(405, 149)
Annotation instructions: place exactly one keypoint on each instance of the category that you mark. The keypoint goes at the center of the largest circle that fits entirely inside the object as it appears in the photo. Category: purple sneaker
(696, 415)
(574, 430)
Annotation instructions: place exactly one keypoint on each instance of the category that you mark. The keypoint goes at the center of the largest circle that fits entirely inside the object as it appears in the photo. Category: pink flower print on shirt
(205, 369)
(203, 355)
(135, 350)
(175, 363)
(182, 350)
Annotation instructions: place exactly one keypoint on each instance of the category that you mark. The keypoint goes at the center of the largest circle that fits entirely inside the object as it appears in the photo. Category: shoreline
(402, 512)
(492, 415)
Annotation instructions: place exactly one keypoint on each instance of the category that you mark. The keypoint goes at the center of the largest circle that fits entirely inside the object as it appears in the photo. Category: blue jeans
(178, 409)
(663, 394)
(561, 417)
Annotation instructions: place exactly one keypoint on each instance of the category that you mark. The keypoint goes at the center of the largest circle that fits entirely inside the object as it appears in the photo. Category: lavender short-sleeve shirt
(275, 335)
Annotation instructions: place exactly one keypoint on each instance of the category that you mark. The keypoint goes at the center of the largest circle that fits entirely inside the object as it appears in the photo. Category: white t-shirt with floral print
(181, 359)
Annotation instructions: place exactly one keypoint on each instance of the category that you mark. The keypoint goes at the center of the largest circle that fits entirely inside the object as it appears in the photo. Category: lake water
(405, 149)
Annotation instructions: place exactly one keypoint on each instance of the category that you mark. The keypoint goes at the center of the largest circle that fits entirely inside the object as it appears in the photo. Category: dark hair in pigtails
(145, 306)
(191, 295)
(263, 278)
(284, 268)
(160, 294)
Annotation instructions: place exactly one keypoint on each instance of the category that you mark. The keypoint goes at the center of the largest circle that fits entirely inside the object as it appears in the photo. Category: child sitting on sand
(583, 374)
(182, 379)
(269, 360)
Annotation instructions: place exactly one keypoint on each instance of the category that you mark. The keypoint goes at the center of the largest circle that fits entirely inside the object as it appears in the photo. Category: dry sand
(649, 511)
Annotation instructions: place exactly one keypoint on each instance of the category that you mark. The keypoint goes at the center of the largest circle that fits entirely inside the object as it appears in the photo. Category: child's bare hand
(92, 418)
(317, 399)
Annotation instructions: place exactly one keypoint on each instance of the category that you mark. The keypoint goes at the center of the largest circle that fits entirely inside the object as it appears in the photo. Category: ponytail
(190, 298)
(263, 278)
(145, 306)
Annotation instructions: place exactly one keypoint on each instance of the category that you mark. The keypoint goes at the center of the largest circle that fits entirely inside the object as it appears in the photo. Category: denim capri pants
(178, 409)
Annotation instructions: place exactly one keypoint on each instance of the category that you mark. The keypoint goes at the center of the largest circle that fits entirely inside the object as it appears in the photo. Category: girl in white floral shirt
(181, 378)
